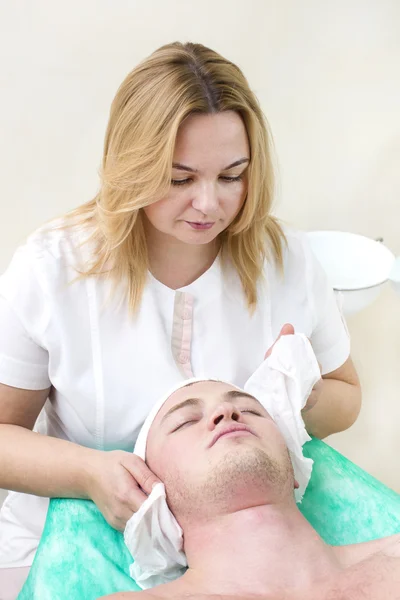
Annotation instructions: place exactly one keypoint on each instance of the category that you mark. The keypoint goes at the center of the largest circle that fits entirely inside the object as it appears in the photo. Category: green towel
(80, 557)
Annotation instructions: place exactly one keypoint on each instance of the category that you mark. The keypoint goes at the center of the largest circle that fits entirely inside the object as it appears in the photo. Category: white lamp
(356, 266)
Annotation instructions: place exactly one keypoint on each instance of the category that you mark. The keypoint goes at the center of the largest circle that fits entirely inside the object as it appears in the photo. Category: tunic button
(187, 314)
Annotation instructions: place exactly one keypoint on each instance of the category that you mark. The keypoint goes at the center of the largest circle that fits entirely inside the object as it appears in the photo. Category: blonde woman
(176, 268)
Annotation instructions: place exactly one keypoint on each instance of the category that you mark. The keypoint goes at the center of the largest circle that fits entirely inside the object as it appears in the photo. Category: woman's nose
(205, 199)
(224, 412)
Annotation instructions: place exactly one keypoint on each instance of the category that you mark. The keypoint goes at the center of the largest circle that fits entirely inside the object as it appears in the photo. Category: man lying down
(230, 475)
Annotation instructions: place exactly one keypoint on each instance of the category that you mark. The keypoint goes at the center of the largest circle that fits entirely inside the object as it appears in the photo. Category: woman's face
(208, 179)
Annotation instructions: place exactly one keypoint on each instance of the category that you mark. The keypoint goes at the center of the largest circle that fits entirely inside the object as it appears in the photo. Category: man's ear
(296, 485)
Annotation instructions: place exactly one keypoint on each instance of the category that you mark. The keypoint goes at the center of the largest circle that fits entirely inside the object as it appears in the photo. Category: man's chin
(245, 467)
(238, 476)
(230, 452)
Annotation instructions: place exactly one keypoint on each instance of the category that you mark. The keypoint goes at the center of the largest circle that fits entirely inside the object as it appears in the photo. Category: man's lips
(229, 429)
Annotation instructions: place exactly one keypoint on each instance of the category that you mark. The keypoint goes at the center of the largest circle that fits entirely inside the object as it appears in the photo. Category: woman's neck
(176, 264)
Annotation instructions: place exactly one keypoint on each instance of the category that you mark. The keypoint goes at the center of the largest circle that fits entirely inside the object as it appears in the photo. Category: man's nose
(205, 199)
(224, 412)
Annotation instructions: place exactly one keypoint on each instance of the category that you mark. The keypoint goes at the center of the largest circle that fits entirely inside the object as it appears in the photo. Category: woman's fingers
(287, 329)
(134, 496)
(120, 482)
(126, 499)
(145, 478)
(119, 522)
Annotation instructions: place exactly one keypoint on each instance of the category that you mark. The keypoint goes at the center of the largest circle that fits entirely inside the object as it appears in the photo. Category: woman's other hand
(313, 398)
(119, 482)
(287, 329)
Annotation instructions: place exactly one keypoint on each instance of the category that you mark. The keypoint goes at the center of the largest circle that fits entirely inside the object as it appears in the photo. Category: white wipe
(282, 384)
(154, 539)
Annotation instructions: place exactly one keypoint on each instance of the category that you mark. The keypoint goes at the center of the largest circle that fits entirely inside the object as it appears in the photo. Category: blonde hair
(175, 81)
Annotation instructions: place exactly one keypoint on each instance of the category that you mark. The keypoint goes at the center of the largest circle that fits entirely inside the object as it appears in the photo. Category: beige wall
(327, 74)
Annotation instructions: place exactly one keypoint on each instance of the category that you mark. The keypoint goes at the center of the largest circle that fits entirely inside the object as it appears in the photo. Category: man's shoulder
(353, 554)
(371, 571)
(166, 595)
(168, 592)
(134, 596)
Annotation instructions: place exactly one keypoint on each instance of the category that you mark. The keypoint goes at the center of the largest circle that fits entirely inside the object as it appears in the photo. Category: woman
(175, 269)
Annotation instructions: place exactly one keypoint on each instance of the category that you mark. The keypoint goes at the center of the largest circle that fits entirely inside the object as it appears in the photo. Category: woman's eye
(224, 178)
(231, 179)
(180, 181)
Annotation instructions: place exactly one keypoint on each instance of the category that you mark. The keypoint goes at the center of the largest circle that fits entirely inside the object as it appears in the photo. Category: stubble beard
(241, 474)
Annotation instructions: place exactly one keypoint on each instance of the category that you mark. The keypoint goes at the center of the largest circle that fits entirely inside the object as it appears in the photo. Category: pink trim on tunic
(181, 339)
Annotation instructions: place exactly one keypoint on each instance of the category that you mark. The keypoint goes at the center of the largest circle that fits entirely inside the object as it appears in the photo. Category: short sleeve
(24, 317)
(330, 338)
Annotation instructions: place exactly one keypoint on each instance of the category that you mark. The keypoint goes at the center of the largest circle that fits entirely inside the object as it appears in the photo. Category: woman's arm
(34, 463)
(117, 481)
(339, 402)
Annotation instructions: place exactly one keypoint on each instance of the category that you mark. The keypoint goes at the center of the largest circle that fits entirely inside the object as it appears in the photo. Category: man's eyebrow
(188, 402)
(238, 162)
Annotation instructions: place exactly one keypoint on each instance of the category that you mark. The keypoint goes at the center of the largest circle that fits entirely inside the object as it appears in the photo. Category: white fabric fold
(282, 384)
(155, 540)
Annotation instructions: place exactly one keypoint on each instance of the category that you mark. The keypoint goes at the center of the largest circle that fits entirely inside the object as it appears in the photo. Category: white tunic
(108, 368)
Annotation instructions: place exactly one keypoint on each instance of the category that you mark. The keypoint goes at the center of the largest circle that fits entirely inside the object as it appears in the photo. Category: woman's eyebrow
(241, 161)
(188, 402)
(238, 162)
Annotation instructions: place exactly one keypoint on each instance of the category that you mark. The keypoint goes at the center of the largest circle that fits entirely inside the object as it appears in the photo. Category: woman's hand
(313, 398)
(119, 482)
(287, 329)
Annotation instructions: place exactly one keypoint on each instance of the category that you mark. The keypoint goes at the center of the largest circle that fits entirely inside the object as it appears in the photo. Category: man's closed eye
(252, 411)
(182, 425)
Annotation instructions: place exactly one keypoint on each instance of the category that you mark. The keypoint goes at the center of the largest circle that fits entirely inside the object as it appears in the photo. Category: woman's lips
(199, 226)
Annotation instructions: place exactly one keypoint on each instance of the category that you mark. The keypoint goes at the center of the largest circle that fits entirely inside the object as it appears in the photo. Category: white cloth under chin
(154, 532)
(282, 384)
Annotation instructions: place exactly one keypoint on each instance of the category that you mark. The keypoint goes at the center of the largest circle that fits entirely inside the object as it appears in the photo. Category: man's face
(217, 448)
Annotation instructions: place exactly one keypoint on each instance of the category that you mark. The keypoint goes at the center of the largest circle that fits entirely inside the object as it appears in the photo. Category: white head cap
(141, 442)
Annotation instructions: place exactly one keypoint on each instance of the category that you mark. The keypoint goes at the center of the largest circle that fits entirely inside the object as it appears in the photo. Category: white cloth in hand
(283, 384)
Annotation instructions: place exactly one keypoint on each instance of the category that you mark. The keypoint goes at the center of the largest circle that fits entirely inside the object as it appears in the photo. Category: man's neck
(264, 550)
